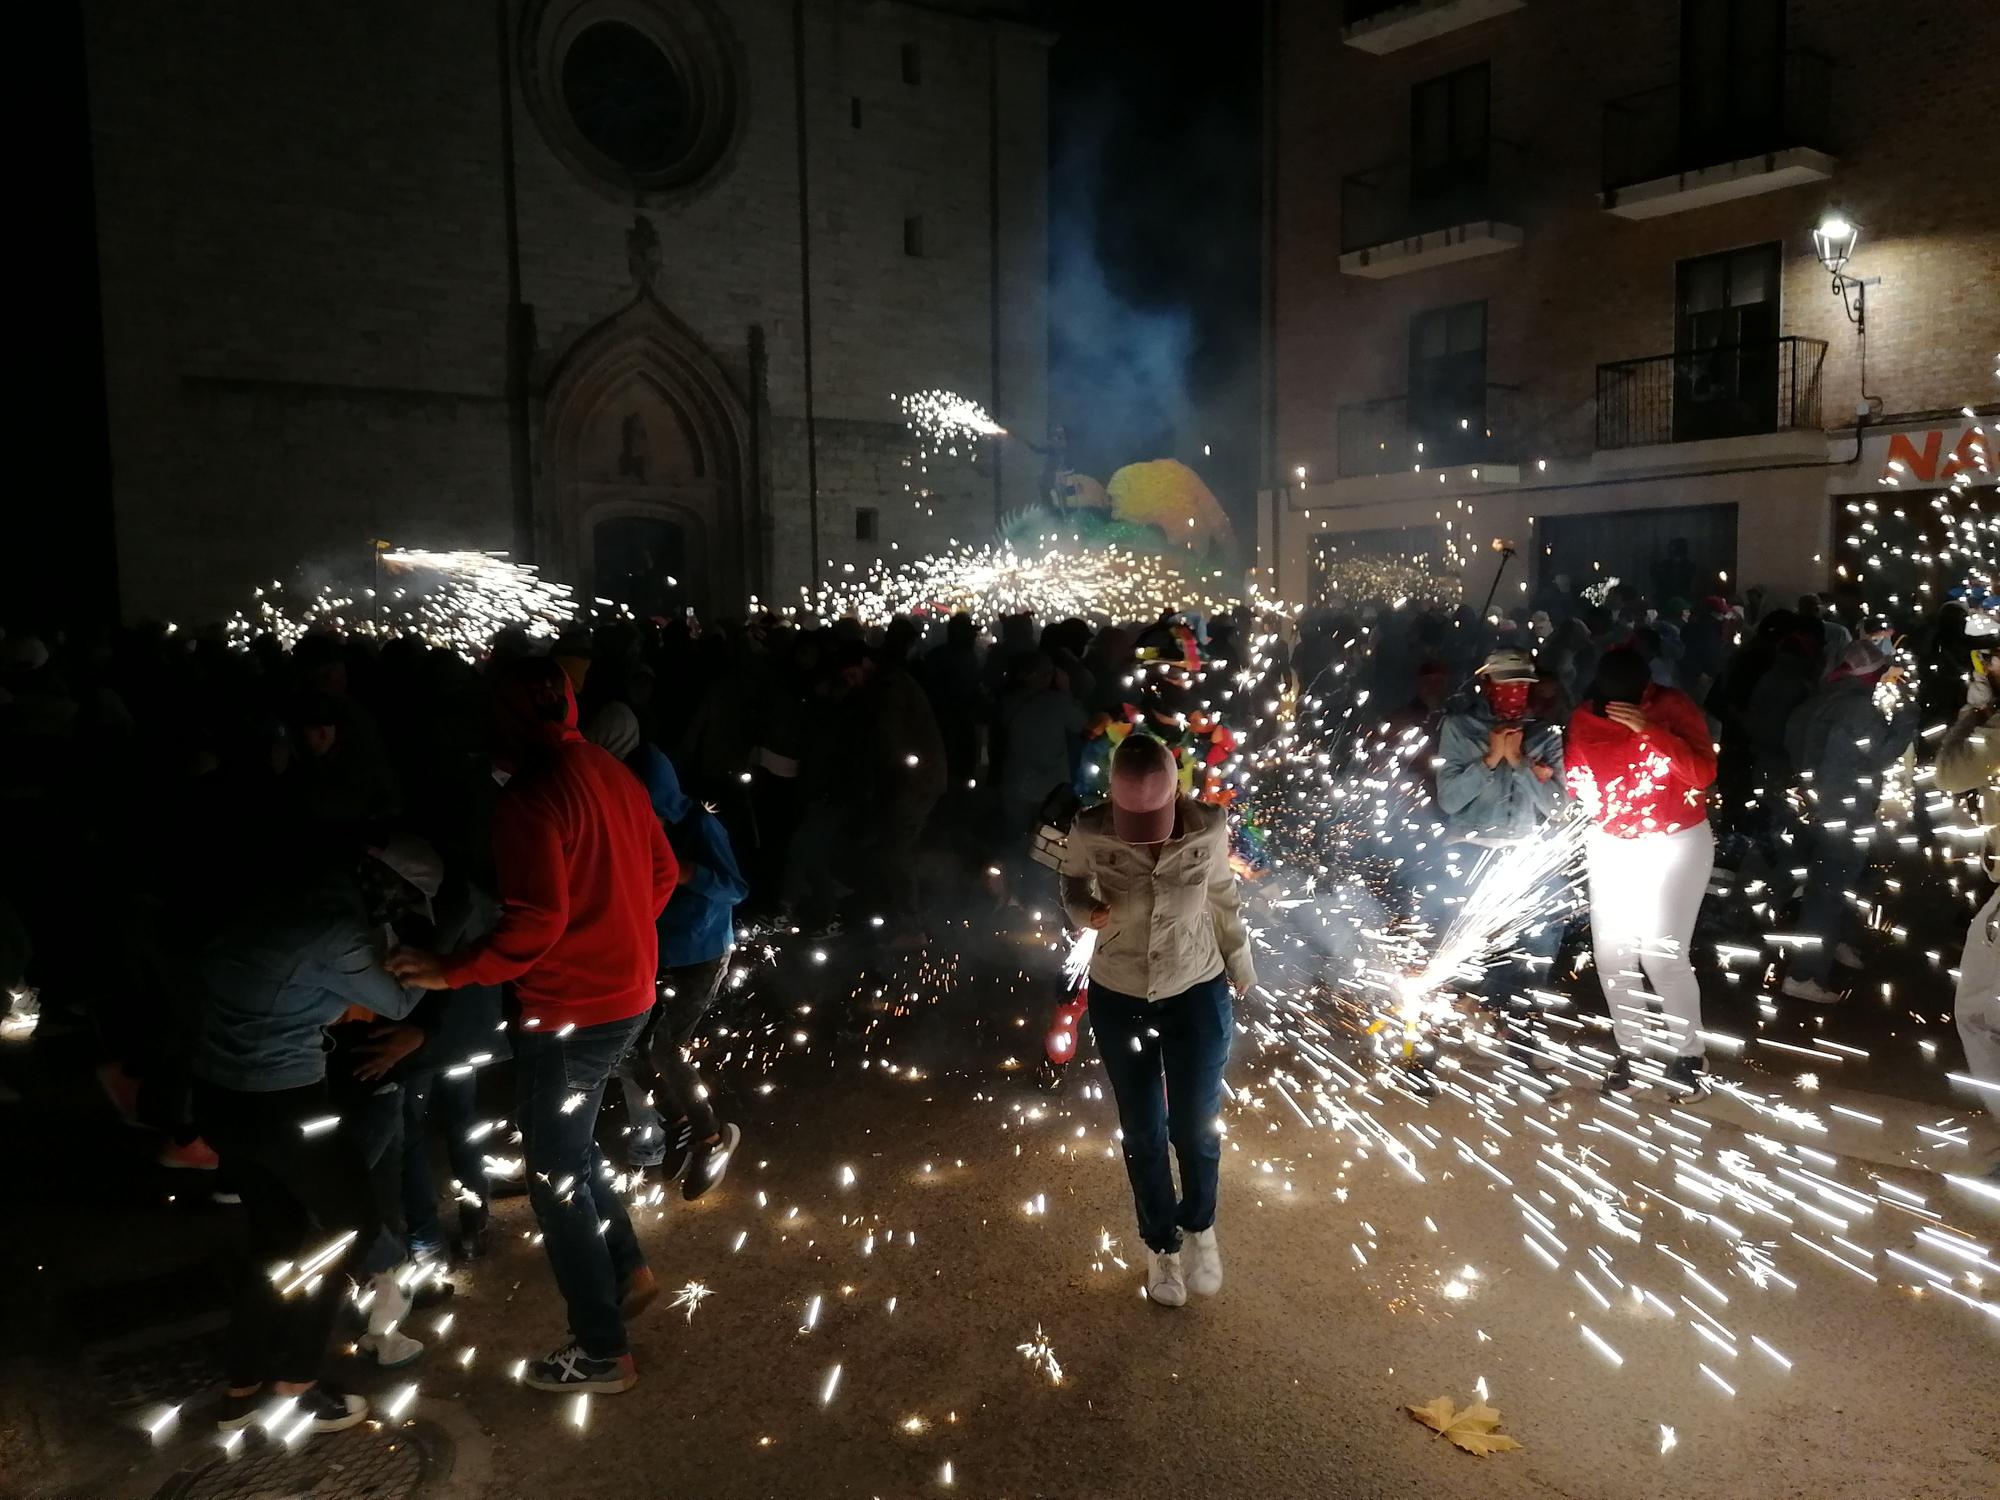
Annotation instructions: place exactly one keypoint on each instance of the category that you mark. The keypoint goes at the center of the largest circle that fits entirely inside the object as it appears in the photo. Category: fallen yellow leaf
(1471, 1429)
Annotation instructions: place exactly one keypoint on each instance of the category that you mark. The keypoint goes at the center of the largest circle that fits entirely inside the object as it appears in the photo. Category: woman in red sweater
(1639, 759)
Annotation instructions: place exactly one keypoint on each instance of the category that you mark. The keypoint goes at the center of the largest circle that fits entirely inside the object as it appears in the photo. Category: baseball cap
(1144, 783)
(1508, 666)
(1863, 657)
(415, 861)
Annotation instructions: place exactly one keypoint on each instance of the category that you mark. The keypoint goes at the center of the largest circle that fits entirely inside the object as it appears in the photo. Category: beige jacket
(1968, 760)
(1175, 918)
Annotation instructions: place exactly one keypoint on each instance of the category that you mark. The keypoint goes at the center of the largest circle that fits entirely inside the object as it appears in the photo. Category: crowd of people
(303, 899)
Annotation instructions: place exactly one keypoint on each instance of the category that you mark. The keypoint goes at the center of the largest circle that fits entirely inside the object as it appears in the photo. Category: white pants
(1645, 893)
(1978, 1005)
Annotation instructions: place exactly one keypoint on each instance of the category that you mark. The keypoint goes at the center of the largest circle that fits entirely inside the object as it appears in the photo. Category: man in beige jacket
(1969, 761)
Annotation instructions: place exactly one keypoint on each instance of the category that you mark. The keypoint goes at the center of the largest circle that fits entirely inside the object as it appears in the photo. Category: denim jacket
(278, 977)
(1495, 804)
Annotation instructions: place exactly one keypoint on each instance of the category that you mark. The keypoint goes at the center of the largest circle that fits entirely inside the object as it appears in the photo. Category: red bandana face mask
(1509, 699)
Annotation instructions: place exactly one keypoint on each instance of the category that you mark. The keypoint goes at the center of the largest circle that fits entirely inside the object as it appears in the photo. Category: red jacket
(584, 870)
(1632, 784)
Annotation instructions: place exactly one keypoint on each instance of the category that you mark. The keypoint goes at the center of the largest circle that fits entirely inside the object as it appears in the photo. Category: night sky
(1155, 198)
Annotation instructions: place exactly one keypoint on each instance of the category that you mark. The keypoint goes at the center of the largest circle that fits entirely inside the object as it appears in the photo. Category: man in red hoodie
(584, 870)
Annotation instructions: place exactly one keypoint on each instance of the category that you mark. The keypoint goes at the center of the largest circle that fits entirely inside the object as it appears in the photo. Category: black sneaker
(239, 1412)
(1618, 1079)
(1690, 1073)
(328, 1409)
(570, 1369)
(707, 1161)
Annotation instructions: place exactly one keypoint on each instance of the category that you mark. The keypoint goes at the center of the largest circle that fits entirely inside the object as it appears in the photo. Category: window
(626, 97)
(1726, 354)
(1448, 147)
(1732, 78)
(641, 99)
(1448, 382)
(913, 63)
(913, 235)
(854, 111)
(866, 522)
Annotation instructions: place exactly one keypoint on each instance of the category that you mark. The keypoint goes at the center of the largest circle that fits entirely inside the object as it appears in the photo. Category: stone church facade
(624, 286)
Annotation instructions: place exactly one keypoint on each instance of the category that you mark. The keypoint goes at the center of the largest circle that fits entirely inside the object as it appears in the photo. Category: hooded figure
(1842, 741)
(584, 871)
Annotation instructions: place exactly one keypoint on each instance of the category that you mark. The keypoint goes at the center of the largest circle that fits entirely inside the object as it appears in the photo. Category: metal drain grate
(364, 1464)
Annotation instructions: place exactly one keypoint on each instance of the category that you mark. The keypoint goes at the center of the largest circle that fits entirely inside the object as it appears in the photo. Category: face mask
(1509, 699)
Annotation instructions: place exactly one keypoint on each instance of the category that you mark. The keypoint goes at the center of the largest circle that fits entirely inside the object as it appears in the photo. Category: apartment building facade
(1542, 275)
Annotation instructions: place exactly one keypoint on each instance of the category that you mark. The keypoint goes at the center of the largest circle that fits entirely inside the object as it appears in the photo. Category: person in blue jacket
(664, 1095)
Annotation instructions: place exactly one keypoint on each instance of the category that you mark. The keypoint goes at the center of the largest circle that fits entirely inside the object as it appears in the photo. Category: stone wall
(303, 243)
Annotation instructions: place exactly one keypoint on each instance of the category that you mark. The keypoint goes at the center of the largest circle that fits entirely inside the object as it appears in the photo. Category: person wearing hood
(1841, 741)
(1639, 758)
(1149, 873)
(287, 968)
(584, 870)
(697, 933)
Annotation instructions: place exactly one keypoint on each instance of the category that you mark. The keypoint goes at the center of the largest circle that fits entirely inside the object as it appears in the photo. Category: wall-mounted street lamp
(1833, 243)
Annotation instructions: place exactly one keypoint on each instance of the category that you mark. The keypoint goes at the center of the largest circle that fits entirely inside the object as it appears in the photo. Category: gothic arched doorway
(646, 451)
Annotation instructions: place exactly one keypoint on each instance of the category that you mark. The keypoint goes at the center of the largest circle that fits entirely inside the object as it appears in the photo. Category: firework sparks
(1049, 581)
(456, 601)
(690, 1297)
(1041, 1355)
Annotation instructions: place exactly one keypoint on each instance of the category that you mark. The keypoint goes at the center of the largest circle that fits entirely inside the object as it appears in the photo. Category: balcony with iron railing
(1684, 144)
(1725, 391)
(1400, 217)
(1393, 435)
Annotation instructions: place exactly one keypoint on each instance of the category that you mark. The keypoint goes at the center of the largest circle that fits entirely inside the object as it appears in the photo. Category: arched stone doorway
(646, 448)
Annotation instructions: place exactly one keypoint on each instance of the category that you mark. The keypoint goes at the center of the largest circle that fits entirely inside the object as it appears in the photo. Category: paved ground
(1389, 1252)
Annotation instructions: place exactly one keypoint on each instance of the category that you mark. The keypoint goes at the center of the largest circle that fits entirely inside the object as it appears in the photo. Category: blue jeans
(569, 1184)
(1181, 1042)
(453, 1103)
(1836, 868)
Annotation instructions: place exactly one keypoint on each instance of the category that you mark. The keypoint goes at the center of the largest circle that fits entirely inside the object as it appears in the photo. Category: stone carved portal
(646, 451)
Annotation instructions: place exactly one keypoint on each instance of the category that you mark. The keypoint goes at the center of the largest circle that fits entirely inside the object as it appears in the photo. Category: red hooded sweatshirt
(584, 869)
(1633, 784)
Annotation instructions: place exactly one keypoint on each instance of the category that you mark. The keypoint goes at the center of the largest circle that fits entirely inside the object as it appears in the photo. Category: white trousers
(1645, 893)
(1978, 1005)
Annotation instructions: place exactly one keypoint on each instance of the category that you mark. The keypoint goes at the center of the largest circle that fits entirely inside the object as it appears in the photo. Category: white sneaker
(1847, 958)
(1810, 989)
(1204, 1257)
(391, 1350)
(1164, 1283)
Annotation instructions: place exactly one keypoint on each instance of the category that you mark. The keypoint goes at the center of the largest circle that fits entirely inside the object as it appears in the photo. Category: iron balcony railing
(1690, 124)
(1729, 390)
(1393, 434)
(1399, 200)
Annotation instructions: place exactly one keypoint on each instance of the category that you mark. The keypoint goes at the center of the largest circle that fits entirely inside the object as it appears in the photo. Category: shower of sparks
(1531, 881)
(455, 601)
(1050, 579)
(941, 420)
(1041, 1354)
(690, 1297)
(1076, 961)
